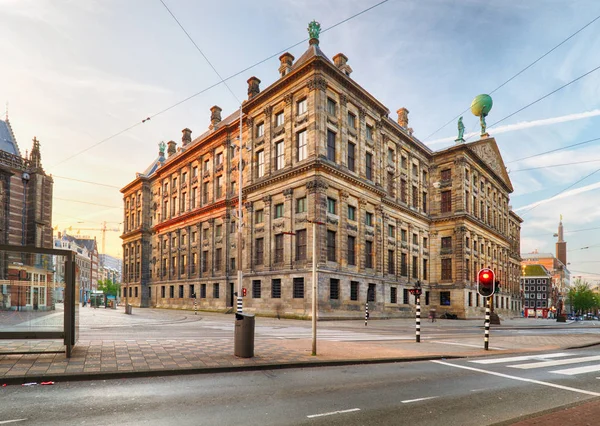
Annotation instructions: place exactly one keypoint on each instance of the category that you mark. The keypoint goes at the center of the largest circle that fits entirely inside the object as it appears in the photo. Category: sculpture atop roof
(314, 29)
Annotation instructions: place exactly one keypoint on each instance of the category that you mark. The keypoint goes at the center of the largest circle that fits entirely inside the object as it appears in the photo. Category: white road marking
(557, 362)
(518, 358)
(11, 421)
(333, 412)
(521, 379)
(466, 344)
(577, 370)
(418, 399)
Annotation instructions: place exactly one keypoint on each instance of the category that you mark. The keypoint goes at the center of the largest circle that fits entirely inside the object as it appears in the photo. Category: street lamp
(314, 284)
(417, 291)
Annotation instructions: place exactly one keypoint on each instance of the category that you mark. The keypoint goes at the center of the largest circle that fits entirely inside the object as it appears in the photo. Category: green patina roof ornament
(314, 28)
(161, 148)
(481, 107)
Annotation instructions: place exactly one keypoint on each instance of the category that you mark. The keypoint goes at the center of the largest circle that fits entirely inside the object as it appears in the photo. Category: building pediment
(488, 152)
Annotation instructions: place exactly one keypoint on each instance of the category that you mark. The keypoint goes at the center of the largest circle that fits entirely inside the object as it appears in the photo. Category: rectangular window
(195, 171)
(171, 291)
(351, 154)
(353, 290)
(276, 288)
(403, 265)
(206, 165)
(202, 291)
(331, 246)
(393, 295)
(351, 250)
(301, 244)
(215, 290)
(219, 185)
(470, 299)
(368, 254)
(403, 191)
(371, 293)
(260, 130)
(256, 289)
(424, 201)
(218, 258)
(181, 292)
(415, 197)
(446, 174)
(369, 219)
(405, 297)
(404, 235)
(259, 216)
(351, 120)
(301, 106)
(369, 132)
(205, 261)
(415, 240)
(218, 231)
(415, 267)
(391, 263)
(445, 298)
(232, 264)
(279, 248)
(279, 156)
(390, 156)
(279, 119)
(301, 205)
(331, 106)
(446, 243)
(301, 144)
(391, 231)
(446, 269)
(278, 210)
(298, 288)
(404, 162)
(331, 205)
(351, 213)
(390, 184)
(446, 201)
(330, 145)
(193, 197)
(369, 166)
(194, 262)
(260, 163)
(334, 289)
(205, 192)
(219, 158)
(162, 291)
(259, 255)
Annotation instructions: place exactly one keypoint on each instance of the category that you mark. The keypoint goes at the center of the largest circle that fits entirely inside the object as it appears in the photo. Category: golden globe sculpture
(481, 107)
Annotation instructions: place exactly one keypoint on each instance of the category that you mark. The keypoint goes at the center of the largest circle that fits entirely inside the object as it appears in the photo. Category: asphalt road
(453, 392)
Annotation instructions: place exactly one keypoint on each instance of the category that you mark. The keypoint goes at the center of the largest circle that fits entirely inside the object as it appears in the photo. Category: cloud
(527, 124)
(566, 194)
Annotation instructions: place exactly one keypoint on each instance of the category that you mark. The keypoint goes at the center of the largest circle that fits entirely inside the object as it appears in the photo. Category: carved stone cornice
(266, 199)
(317, 83)
(288, 99)
(344, 195)
(249, 122)
(268, 110)
(249, 206)
(362, 113)
(288, 192)
(362, 202)
(316, 185)
(343, 100)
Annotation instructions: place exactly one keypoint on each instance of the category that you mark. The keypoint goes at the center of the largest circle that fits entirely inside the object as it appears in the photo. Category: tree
(582, 298)
(108, 287)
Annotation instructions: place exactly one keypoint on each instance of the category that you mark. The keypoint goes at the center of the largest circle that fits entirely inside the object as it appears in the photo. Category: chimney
(253, 87)
(340, 60)
(172, 149)
(215, 116)
(403, 117)
(287, 60)
(187, 136)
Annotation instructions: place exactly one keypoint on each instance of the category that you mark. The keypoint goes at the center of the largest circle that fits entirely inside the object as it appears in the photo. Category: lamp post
(417, 291)
(240, 275)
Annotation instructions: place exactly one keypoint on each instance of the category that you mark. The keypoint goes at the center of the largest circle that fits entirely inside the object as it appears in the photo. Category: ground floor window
(215, 290)
(202, 291)
(445, 298)
(256, 289)
(136, 291)
(393, 295)
(371, 293)
(162, 291)
(171, 291)
(334, 289)
(276, 288)
(353, 290)
(405, 297)
(299, 288)
(470, 299)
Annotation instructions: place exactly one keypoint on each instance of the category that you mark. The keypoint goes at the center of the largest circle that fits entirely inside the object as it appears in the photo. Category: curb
(19, 380)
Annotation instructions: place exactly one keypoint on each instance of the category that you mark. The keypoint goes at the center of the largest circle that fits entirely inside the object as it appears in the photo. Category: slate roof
(8, 142)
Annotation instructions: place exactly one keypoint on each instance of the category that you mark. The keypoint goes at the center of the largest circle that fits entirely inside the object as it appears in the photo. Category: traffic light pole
(486, 339)
(366, 312)
(418, 320)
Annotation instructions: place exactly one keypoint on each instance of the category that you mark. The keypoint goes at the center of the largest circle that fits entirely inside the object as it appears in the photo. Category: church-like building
(317, 147)
(25, 220)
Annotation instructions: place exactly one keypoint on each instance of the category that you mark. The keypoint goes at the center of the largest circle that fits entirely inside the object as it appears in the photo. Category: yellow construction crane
(104, 228)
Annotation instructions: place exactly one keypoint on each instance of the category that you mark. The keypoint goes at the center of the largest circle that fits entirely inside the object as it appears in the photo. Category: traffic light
(486, 282)
(243, 291)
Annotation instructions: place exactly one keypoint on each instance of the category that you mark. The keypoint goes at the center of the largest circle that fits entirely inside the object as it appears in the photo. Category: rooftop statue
(314, 28)
(481, 107)
(161, 147)
(461, 130)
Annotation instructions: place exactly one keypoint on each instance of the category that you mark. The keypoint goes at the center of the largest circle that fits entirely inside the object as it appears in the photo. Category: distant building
(536, 284)
(83, 260)
(25, 220)
(110, 268)
(318, 147)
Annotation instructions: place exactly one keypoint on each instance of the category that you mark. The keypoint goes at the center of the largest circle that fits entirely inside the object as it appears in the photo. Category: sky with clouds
(75, 72)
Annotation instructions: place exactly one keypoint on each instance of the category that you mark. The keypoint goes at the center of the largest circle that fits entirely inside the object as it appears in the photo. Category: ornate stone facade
(319, 148)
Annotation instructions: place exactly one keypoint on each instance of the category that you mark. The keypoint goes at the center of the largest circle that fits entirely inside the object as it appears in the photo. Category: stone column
(343, 229)
(248, 237)
(268, 227)
(360, 246)
(288, 206)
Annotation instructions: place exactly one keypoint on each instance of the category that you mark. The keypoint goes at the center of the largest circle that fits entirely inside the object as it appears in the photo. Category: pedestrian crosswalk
(548, 361)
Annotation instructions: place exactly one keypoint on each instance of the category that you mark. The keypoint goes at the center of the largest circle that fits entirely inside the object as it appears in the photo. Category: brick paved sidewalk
(138, 358)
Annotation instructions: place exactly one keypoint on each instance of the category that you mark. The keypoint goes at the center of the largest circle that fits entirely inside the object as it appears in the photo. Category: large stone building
(25, 220)
(319, 147)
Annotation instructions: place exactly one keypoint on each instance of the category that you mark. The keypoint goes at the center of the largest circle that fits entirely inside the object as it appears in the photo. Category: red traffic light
(244, 291)
(486, 282)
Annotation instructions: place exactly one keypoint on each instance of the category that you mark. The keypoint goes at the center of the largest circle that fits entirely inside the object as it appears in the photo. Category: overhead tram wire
(213, 85)
(86, 181)
(553, 150)
(566, 232)
(560, 192)
(522, 71)
(555, 165)
(87, 202)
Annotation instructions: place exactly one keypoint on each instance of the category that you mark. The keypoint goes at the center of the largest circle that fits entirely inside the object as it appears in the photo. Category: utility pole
(314, 284)
(239, 236)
